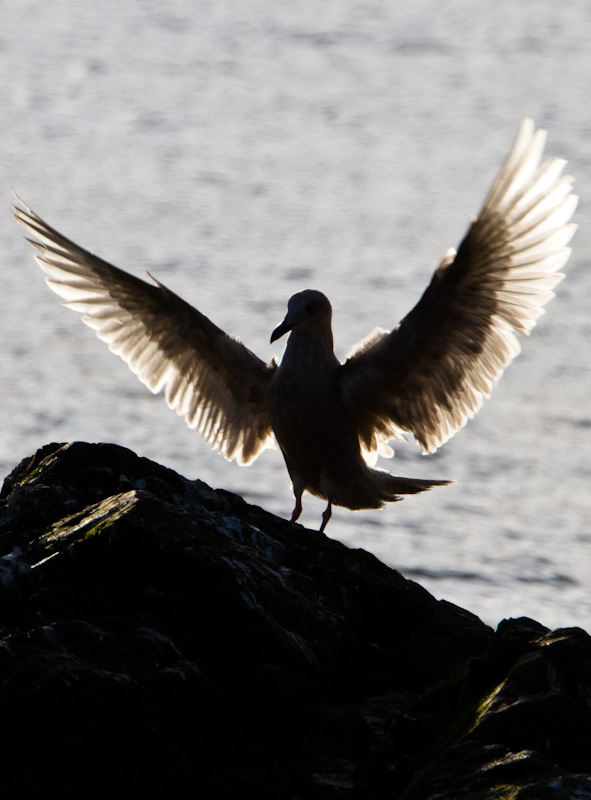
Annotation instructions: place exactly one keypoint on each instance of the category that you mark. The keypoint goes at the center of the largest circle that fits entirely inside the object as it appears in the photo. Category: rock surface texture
(162, 637)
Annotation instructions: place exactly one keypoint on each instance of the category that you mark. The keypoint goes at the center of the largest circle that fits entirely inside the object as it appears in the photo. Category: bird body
(313, 426)
(426, 377)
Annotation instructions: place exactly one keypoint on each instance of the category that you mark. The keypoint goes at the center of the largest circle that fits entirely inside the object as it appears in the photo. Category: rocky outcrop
(159, 636)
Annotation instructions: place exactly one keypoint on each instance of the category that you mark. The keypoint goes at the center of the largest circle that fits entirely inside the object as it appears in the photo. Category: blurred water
(243, 151)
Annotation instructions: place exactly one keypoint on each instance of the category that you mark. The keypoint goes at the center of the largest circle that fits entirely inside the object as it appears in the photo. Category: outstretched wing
(209, 378)
(431, 373)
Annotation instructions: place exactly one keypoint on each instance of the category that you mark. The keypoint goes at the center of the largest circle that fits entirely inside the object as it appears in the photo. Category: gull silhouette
(425, 377)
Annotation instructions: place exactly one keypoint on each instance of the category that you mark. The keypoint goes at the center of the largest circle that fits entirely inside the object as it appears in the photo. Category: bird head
(305, 311)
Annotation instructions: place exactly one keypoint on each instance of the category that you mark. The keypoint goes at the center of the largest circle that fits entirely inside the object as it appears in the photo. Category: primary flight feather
(426, 377)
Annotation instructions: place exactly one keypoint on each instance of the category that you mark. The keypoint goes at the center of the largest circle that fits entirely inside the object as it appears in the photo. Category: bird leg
(297, 508)
(326, 514)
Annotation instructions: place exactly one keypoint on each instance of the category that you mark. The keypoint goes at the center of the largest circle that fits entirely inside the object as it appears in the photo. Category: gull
(425, 377)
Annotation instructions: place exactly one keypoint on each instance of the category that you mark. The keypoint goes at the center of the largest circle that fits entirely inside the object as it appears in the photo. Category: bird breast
(309, 419)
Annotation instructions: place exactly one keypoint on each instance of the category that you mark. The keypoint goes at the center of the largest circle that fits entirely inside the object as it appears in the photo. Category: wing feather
(431, 373)
(208, 377)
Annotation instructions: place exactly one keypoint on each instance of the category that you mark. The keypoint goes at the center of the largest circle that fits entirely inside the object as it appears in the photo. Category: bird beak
(281, 330)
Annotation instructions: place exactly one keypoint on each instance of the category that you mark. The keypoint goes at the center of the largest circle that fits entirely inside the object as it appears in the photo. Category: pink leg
(297, 509)
(326, 516)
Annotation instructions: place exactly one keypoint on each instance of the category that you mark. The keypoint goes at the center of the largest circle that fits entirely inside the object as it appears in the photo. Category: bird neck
(314, 345)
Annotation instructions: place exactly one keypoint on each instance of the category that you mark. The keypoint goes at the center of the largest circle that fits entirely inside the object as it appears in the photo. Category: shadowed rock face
(159, 636)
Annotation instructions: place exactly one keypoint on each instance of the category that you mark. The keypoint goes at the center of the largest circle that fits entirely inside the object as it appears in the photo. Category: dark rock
(159, 636)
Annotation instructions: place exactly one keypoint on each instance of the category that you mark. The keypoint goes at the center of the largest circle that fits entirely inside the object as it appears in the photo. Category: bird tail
(392, 488)
(373, 488)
